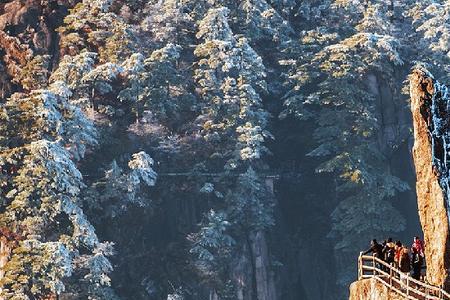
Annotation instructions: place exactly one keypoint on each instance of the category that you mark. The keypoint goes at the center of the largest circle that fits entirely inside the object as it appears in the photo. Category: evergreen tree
(431, 20)
(212, 245)
(136, 77)
(34, 74)
(114, 193)
(167, 92)
(92, 25)
(168, 21)
(99, 80)
(263, 23)
(329, 89)
(231, 86)
(231, 79)
(41, 205)
(42, 134)
(72, 69)
(156, 85)
(250, 205)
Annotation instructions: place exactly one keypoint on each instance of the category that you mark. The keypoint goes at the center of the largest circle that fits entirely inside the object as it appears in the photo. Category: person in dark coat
(416, 261)
(375, 248)
(405, 260)
(389, 251)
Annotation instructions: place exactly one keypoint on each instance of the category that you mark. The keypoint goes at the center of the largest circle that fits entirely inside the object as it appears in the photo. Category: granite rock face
(28, 29)
(371, 289)
(429, 106)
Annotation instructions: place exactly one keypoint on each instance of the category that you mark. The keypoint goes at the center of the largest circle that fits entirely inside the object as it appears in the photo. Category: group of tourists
(399, 255)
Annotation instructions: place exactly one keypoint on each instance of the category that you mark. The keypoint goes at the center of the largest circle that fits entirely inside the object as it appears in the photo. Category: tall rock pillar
(430, 106)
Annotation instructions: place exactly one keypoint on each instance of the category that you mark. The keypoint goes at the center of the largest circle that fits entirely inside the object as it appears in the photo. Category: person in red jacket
(398, 253)
(418, 246)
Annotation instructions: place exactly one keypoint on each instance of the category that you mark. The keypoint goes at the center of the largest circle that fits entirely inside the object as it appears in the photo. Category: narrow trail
(397, 281)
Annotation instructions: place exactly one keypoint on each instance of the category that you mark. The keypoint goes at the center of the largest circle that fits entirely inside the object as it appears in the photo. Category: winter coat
(404, 261)
(418, 245)
(376, 249)
(389, 252)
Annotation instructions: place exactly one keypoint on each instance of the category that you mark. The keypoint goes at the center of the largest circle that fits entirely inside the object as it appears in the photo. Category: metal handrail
(398, 281)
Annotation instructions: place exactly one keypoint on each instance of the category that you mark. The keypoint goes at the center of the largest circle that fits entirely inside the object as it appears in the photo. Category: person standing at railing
(389, 251)
(404, 263)
(398, 251)
(375, 248)
(417, 261)
(405, 260)
(418, 245)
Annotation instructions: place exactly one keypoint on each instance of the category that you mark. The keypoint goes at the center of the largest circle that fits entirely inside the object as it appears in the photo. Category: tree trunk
(265, 286)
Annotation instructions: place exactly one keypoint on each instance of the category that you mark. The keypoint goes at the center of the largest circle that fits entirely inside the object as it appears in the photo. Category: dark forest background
(201, 149)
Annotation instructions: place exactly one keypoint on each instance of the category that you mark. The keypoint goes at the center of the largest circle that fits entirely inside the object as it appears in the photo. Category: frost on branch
(211, 242)
(45, 265)
(72, 68)
(141, 166)
(251, 140)
(100, 78)
(119, 189)
(436, 27)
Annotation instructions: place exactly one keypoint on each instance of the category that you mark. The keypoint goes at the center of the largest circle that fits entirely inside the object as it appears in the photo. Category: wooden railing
(400, 282)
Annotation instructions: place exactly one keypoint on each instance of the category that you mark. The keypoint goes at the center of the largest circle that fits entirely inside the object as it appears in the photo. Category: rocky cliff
(430, 109)
(27, 29)
(371, 289)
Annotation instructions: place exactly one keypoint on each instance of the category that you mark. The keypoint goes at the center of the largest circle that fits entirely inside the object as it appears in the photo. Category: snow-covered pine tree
(136, 77)
(155, 85)
(72, 69)
(212, 247)
(168, 21)
(329, 88)
(262, 22)
(34, 74)
(86, 81)
(231, 78)
(250, 204)
(113, 194)
(41, 187)
(432, 20)
(92, 25)
(167, 94)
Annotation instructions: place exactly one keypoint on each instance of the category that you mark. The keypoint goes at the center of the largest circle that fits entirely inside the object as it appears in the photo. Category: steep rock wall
(27, 29)
(371, 289)
(429, 109)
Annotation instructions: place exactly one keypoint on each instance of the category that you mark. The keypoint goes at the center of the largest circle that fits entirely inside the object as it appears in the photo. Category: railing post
(407, 284)
(373, 266)
(359, 266)
(390, 276)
